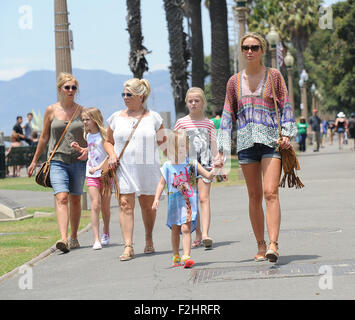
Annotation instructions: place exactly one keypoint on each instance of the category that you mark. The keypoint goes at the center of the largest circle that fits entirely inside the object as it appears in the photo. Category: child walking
(179, 173)
(95, 134)
(203, 147)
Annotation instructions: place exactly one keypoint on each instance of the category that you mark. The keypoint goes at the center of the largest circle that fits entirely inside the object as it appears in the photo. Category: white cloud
(10, 74)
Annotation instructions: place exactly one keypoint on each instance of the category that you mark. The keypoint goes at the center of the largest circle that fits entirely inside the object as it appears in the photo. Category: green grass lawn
(27, 238)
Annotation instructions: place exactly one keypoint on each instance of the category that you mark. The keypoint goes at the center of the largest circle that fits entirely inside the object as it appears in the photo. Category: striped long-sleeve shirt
(254, 113)
(202, 138)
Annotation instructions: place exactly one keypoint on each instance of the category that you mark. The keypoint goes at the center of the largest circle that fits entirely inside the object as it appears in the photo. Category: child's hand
(155, 205)
(76, 146)
(93, 170)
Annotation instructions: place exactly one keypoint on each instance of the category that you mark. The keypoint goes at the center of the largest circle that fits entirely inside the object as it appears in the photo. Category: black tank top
(341, 124)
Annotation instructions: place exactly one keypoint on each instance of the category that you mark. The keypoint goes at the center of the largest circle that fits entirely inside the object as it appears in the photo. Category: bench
(22, 156)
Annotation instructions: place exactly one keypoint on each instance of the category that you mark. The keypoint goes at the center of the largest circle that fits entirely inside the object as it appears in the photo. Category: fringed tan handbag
(288, 156)
(43, 175)
(109, 175)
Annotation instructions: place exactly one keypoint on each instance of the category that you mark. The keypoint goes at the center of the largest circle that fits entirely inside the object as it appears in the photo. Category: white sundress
(139, 169)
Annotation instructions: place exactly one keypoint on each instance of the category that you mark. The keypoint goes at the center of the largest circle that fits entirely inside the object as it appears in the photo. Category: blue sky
(100, 36)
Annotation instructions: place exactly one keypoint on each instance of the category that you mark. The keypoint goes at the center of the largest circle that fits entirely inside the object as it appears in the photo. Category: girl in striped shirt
(202, 139)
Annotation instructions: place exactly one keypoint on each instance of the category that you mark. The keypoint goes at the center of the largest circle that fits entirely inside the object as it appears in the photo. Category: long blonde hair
(176, 139)
(95, 115)
(139, 87)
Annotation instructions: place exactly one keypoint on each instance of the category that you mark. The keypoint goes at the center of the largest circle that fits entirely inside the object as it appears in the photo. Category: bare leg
(75, 214)
(204, 197)
(62, 200)
(253, 179)
(175, 238)
(95, 198)
(127, 202)
(271, 168)
(148, 215)
(186, 238)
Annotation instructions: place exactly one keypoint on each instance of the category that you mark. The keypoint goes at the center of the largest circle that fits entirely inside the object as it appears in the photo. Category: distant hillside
(36, 90)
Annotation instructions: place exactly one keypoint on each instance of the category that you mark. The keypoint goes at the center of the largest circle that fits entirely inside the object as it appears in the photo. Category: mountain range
(36, 90)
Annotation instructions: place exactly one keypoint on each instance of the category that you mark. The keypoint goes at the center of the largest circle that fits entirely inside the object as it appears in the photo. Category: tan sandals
(272, 255)
(260, 256)
(127, 256)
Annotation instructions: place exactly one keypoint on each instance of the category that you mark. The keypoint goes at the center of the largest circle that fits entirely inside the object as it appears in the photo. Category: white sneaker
(105, 239)
(97, 245)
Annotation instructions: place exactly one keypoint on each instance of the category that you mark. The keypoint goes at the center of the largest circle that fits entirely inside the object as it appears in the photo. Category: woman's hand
(113, 162)
(284, 143)
(155, 205)
(31, 168)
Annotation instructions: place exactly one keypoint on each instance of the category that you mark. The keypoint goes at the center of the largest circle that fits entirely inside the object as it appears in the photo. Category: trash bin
(2, 162)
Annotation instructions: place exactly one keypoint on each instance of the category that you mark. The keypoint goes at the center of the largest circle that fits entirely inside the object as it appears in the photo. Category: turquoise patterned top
(182, 192)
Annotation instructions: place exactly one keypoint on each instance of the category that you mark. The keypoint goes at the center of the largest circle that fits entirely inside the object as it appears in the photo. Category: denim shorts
(68, 178)
(256, 153)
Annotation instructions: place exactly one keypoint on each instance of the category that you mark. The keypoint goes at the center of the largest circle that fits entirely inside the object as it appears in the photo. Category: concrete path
(316, 246)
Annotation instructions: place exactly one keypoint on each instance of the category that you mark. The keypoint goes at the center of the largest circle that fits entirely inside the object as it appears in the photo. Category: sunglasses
(126, 94)
(253, 48)
(74, 88)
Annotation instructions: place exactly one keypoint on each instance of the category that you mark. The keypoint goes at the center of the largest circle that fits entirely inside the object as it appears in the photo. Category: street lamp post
(313, 90)
(289, 61)
(273, 39)
(302, 84)
(241, 10)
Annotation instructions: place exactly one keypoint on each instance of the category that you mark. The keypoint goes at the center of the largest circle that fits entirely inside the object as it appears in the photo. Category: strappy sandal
(127, 256)
(260, 256)
(149, 249)
(272, 255)
(196, 243)
(63, 246)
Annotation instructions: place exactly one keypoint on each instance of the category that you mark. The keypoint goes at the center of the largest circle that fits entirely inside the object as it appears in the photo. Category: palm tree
(137, 62)
(179, 54)
(198, 73)
(220, 64)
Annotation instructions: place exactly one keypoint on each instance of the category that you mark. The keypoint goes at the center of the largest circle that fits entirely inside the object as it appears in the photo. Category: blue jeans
(256, 153)
(68, 178)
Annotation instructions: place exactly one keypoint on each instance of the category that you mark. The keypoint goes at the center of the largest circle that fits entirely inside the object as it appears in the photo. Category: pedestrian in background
(341, 126)
(302, 126)
(315, 126)
(351, 131)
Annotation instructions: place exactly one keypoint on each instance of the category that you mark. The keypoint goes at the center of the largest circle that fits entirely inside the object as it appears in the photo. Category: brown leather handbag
(290, 164)
(108, 175)
(43, 175)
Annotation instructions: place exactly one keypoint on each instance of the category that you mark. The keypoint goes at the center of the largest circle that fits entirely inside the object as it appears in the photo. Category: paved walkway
(317, 236)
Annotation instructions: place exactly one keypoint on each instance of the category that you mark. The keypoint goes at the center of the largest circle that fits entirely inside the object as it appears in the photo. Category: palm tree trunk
(198, 72)
(179, 55)
(137, 62)
(220, 64)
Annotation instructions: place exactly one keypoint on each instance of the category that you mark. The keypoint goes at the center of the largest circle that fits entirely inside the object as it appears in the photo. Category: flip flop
(207, 243)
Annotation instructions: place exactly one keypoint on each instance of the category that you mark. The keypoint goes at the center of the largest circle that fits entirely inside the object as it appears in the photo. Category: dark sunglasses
(253, 48)
(126, 94)
(74, 88)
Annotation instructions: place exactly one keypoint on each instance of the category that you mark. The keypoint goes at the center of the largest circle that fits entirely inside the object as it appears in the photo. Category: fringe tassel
(292, 181)
(107, 178)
